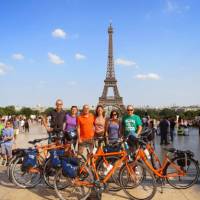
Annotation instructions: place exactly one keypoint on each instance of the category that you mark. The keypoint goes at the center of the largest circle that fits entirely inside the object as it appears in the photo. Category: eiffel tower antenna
(111, 81)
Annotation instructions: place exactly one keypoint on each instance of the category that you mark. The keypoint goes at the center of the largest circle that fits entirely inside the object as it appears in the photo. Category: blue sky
(58, 49)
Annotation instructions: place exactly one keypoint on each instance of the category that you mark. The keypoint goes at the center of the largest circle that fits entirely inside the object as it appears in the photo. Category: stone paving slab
(8, 191)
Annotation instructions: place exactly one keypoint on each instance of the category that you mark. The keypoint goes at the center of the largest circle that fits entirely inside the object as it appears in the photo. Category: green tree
(2, 111)
(9, 110)
(166, 112)
(47, 111)
(26, 111)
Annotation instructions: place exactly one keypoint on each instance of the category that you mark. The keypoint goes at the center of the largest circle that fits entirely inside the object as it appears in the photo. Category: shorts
(86, 142)
(6, 150)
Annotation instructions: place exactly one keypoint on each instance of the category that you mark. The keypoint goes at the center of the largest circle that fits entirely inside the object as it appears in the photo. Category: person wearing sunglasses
(113, 127)
(131, 123)
(57, 121)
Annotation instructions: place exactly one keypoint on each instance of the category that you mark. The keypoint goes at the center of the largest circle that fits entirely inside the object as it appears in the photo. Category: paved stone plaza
(8, 191)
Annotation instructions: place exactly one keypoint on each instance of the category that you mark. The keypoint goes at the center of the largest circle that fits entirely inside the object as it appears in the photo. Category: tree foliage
(153, 113)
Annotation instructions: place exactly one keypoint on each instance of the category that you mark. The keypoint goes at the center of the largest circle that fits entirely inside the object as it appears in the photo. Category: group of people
(88, 125)
(167, 128)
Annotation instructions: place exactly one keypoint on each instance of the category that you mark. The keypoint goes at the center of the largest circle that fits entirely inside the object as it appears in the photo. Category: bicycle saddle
(172, 150)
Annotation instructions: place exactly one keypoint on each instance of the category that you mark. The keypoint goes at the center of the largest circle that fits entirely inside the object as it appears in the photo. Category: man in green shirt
(131, 123)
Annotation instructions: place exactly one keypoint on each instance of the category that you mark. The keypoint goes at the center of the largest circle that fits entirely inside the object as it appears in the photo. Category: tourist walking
(6, 146)
(99, 122)
(16, 125)
(172, 129)
(26, 126)
(113, 127)
(57, 120)
(164, 129)
(71, 125)
(22, 123)
(85, 129)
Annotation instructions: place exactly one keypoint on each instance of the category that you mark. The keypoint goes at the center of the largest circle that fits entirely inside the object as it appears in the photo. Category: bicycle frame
(160, 172)
(123, 159)
(43, 149)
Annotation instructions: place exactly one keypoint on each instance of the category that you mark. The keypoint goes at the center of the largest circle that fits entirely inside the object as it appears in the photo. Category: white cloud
(18, 56)
(72, 83)
(80, 56)
(150, 76)
(172, 6)
(3, 68)
(59, 33)
(55, 59)
(124, 62)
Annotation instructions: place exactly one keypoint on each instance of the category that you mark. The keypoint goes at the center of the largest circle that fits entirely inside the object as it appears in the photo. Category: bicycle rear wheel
(9, 167)
(72, 191)
(49, 172)
(24, 179)
(137, 181)
(190, 168)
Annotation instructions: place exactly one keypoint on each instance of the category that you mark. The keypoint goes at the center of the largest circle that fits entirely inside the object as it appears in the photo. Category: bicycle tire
(172, 181)
(9, 167)
(113, 184)
(146, 177)
(24, 184)
(49, 172)
(67, 192)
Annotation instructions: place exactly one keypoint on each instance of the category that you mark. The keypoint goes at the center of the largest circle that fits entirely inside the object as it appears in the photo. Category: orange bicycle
(82, 178)
(179, 168)
(33, 164)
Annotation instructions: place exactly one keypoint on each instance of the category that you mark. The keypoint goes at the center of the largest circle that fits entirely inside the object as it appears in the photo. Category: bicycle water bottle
(126, 146)
(147, 154)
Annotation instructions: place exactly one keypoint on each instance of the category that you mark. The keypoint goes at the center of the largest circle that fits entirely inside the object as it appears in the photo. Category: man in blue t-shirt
(6, 146)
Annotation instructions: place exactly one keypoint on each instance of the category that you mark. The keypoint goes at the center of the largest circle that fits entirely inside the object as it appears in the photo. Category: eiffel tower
(110, 81)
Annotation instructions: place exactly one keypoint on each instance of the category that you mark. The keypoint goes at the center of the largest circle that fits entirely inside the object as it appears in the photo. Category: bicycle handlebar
(33, 142)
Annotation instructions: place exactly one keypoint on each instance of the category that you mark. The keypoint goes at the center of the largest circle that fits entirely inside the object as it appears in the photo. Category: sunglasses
(115, 114)
(130, 110)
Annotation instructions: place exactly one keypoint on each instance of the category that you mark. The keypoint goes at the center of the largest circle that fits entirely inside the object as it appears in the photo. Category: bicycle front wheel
(137, 181)
(189, 167)
(102, 165)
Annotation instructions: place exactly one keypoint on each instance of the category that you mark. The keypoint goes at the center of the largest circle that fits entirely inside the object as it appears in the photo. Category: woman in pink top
(100, 122)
